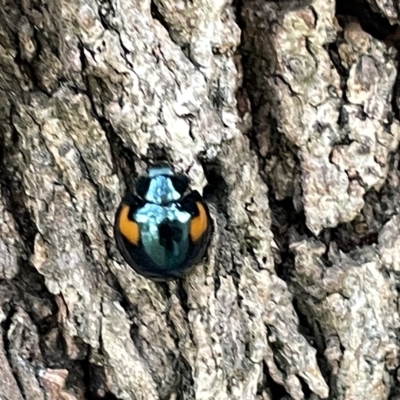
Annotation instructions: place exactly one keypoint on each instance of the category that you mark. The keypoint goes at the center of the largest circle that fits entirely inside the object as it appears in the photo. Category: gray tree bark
(286, 113)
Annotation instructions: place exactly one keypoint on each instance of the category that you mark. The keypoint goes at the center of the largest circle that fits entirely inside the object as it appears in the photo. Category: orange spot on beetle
(198, 224)
(129, 229)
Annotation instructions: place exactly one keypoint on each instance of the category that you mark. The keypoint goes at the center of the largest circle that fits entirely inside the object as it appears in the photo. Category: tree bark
(285, 113)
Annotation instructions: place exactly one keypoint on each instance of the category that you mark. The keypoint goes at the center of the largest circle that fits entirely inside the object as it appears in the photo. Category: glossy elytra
(161, 231)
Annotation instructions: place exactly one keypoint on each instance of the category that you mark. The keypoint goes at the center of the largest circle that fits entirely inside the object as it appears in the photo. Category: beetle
(165, 229)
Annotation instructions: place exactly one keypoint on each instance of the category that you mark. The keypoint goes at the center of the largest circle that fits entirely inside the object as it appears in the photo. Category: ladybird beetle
(161, 232)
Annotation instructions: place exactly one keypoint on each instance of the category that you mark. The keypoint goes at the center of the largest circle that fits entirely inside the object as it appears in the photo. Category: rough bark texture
(286, 113)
